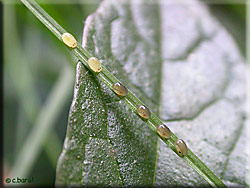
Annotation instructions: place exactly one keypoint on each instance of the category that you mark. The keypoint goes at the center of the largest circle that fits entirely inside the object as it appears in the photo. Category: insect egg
(69, 40)
(163, 131)
(144, 112)
(181, 147)
(120, 89)
(95, 64)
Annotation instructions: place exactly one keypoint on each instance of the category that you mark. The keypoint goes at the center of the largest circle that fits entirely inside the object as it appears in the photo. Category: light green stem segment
(133, 102)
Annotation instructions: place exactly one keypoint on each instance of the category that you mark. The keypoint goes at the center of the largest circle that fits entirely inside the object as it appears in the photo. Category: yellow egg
(120, 89)
(144, 112)
(181, 147)
(163, 131)
(94, 64)
(69, 40)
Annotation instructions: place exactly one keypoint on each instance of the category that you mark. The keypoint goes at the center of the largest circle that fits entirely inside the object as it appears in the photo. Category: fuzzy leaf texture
(186, 67)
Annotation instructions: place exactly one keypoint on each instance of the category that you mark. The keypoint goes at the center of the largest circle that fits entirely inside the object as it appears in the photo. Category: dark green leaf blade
(100, 124)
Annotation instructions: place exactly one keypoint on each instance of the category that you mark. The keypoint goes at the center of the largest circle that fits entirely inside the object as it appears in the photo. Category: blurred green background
(39, 79)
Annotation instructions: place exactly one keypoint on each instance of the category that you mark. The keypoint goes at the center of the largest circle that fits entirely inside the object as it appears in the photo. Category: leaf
(186, 67)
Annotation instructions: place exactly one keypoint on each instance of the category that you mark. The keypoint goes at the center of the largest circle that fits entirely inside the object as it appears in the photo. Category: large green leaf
(185, 66)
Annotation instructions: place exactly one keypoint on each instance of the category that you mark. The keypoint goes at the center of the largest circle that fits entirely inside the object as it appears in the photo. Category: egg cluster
(162, 130)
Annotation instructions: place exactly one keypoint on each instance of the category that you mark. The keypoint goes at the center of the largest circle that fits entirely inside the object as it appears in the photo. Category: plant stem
(133, 102)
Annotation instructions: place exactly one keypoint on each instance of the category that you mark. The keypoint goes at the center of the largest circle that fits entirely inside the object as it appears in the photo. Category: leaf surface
(186, 67)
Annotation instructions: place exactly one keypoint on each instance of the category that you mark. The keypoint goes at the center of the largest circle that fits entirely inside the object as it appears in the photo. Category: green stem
(109, 79)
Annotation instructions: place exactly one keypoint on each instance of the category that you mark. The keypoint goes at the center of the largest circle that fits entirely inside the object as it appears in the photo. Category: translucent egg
(69, 40)
(95, 64)
(181, 147)
(144, 112)
(163, 131)
(120, 89)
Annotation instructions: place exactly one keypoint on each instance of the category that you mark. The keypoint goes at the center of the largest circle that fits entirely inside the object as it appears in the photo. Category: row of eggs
(122, 91)
(145, 113)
